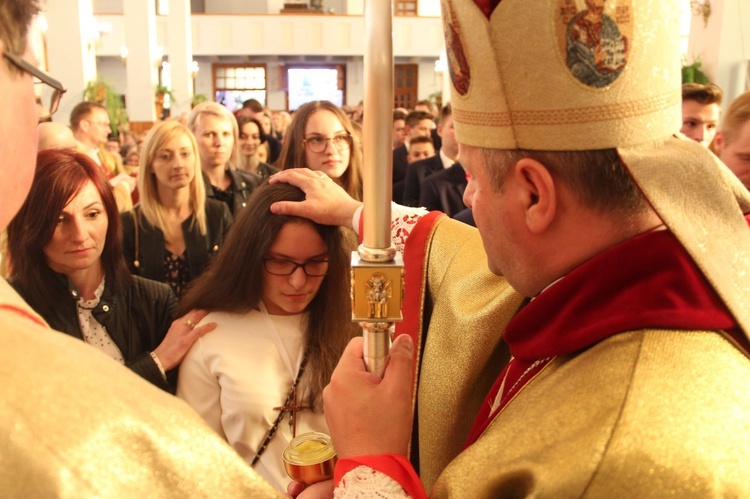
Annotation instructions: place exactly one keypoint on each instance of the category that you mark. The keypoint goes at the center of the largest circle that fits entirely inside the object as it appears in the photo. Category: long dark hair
(60, 176)
(244, 120)
(233, 281)
(293, 149)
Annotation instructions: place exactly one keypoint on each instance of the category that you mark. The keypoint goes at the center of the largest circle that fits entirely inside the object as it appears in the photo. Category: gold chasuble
(616, 418)
(642, 410)
(74, 423)
(463, 309)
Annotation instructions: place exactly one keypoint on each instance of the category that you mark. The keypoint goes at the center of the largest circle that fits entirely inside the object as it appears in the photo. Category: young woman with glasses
(279, 293)
(321, 138)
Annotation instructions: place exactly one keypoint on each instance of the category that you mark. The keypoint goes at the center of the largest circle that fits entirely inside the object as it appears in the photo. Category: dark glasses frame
(43, 77)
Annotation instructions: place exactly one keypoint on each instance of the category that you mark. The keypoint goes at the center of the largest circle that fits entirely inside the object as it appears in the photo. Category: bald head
(53, 135)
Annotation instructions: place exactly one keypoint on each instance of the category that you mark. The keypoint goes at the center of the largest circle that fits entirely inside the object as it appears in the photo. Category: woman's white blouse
(92, 331)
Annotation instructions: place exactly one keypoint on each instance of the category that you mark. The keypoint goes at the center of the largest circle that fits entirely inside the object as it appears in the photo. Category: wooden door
(405, 85)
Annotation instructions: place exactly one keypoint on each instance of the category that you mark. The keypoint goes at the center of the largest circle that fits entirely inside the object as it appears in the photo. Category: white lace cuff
(403, 220)
(364, 482)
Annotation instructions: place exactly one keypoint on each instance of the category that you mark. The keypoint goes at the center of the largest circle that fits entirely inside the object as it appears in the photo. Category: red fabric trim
(487, 6)
(603, 297)
(514, 370)
(361, 230)
(23, 313)
(397, 467)
(415, 256)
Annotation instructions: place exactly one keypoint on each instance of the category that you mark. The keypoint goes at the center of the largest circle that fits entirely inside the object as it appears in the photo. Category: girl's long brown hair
(233, 281)
(293, 150)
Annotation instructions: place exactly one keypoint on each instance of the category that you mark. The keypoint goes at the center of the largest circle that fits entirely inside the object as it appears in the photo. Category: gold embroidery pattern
(568, 116)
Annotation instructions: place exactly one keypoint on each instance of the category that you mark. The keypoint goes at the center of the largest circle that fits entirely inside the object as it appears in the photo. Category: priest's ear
(536, 192)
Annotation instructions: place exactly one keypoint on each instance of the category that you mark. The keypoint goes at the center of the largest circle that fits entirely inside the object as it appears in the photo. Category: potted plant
(162, 91)
(198, 99)
(693, 73)
(101, 92)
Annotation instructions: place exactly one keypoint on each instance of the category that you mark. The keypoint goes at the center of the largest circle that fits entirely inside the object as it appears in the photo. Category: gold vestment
(74, 423)
(638, 398)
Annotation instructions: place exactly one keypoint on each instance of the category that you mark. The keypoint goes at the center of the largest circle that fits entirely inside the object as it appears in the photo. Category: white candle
(378, 117)
(376, 247)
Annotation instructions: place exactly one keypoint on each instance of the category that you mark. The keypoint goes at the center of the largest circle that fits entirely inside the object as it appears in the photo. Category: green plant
(693, 73)
(100, 91)
(199, 98)
(163, 90)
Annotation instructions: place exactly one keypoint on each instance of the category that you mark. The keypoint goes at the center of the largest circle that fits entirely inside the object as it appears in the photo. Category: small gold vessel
(310, 458)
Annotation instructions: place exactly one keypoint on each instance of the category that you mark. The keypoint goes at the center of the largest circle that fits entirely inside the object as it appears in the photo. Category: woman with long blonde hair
(171, 235)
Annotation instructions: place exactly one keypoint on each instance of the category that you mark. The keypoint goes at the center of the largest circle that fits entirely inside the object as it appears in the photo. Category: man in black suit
(399, 128)
(417, 123)
(444, 190)
(418, 171)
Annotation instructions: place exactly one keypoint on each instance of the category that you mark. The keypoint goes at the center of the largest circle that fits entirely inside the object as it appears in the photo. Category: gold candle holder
(310, 458)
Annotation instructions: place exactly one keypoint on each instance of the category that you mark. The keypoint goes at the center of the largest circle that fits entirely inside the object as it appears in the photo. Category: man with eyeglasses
(72, 422)
(91, 127)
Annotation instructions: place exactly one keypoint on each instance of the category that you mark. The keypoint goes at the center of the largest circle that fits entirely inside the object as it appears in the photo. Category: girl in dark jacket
(66, 262)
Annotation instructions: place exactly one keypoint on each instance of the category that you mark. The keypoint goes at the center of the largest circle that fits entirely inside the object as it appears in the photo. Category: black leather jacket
(199, 248)
(137, 320)
(243, 182)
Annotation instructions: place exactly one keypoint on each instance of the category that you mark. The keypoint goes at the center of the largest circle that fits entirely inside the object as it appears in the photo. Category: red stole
(648, 281)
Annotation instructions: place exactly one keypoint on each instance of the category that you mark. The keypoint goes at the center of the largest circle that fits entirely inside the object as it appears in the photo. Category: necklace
(290, 406)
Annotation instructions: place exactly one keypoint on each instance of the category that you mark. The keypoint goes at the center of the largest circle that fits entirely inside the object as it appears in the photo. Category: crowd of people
(587, 336)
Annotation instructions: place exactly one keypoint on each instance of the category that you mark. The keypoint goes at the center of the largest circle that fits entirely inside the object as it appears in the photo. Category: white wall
(113, 70)
(107, 6)
(429, 81)
(723, 46)
(275, 95)
(236, 6)
(233, 6)
(269, 35)
(264, 38)
(424, 7)
(355, 82)
(203, 83)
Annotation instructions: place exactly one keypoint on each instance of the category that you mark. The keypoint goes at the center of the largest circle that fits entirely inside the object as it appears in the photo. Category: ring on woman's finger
(190, 323)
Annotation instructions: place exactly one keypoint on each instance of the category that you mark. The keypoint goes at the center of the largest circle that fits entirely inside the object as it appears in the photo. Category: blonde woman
(322, 138)
(217, 135)
(175, 230)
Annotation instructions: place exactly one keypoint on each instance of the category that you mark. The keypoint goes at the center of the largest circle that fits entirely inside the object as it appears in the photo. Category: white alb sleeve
(364, 482)
(403, 220)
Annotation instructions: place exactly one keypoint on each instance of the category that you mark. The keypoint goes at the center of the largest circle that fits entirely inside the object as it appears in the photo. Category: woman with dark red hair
(65, 248)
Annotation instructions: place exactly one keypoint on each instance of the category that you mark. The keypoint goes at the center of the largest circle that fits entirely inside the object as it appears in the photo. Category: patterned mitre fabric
(566, 75)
